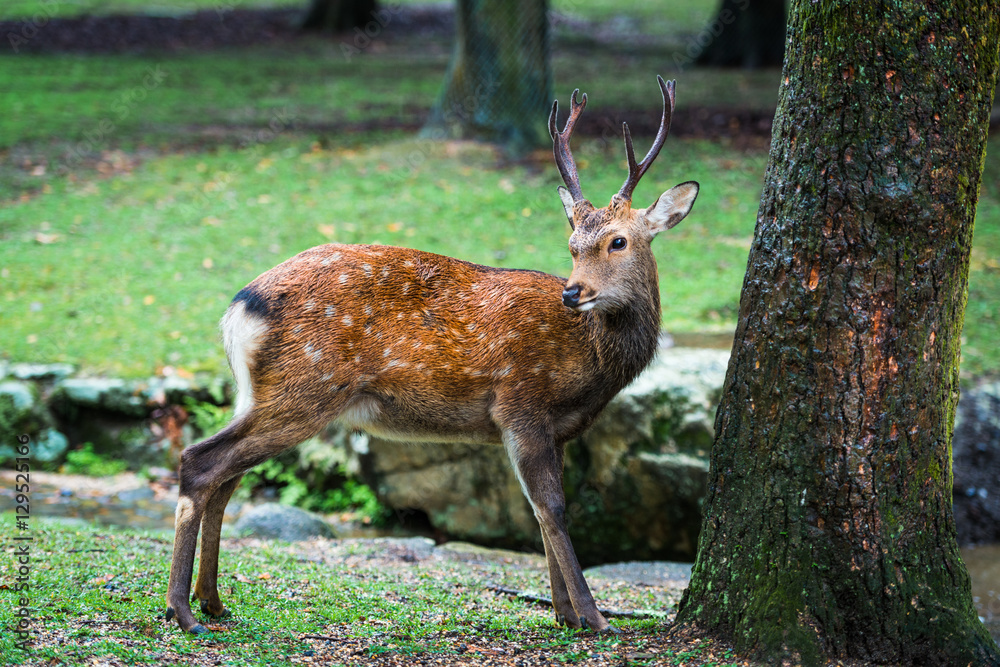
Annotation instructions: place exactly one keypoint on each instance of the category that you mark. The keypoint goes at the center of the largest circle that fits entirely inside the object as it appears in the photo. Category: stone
(976, 465)
(106, 394)
(40, 372)
(21, 396)
(49, 445)
(275, 521)
(22, 413)
(643, 573)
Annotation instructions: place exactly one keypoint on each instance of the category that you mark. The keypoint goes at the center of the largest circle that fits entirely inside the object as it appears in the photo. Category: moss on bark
(829, 529)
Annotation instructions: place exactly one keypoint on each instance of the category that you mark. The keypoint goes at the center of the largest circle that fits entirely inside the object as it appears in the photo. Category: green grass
(100, 591)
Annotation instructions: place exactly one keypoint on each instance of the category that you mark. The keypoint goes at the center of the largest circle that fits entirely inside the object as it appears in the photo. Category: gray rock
(643, 573)
(40, 372)
(106, 394)
(25, 414)
(130, 496)
(49, 445)
(976, 467)
(20, 394)
(282, 522)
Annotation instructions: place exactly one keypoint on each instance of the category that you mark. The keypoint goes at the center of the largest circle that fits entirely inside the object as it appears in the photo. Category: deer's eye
(619, 244)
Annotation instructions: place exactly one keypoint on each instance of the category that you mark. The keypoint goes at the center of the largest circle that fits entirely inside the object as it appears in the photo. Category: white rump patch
(241, 334)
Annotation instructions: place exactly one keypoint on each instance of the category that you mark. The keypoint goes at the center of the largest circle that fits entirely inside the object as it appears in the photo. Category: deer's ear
(567, 202)
(672, 207)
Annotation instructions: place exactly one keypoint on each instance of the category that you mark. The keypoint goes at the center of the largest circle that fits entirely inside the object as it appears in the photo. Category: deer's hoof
(198, 629)
(170, 613)
(572, 622)
(610, 630)
(207, 610)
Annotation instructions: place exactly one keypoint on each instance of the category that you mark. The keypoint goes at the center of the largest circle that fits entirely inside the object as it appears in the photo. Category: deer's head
(612, 258)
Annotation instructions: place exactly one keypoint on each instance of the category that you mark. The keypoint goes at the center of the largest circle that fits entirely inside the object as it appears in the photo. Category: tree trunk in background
(745, 33)
(828, 528)
(339, 15)
(499, 83)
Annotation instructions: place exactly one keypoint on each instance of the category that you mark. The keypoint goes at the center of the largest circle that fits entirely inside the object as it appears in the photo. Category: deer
(412, 346)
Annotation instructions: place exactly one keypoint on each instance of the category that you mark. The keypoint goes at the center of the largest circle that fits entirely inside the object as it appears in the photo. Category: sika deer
(412, 346)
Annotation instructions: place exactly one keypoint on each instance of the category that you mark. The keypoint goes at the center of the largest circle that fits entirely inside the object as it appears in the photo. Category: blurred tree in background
(498, 86)
(339, 15)
(745, 33)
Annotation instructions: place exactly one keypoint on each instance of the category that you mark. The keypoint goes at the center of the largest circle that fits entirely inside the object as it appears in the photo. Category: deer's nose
(571, 296)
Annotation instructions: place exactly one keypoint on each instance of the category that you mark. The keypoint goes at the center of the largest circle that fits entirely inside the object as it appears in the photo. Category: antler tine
(635, 171)
(560, 144)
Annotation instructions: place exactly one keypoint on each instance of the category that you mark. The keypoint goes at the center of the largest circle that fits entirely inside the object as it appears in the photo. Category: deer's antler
(635, 171)
(560, 144)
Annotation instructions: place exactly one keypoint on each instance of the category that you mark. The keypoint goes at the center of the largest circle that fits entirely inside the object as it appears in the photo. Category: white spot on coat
(347, 320)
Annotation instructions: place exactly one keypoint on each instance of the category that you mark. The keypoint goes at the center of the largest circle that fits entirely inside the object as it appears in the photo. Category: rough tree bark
(499, 83)
(828, 530)
(339, 15)
(744, 33)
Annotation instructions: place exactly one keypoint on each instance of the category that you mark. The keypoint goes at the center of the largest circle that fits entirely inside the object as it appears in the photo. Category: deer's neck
(625, 340)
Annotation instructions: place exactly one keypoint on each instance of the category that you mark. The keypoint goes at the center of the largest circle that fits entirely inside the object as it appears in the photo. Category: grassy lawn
(329, 602)
(138, 194)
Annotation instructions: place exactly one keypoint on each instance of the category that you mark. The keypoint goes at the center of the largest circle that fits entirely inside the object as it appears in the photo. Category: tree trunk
(744, 33)
(828, 531)
(499, 83)
(339, 15)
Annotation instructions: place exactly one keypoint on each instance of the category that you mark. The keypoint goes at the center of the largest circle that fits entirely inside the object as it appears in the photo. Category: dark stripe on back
(253, 302)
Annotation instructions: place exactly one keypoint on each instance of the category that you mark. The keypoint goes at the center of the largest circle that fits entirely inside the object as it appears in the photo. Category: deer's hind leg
(209, 472)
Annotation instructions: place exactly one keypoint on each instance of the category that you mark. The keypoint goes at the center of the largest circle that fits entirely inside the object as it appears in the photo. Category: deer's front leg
(561, 603)
(538, 465)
